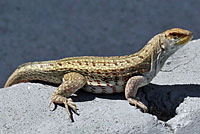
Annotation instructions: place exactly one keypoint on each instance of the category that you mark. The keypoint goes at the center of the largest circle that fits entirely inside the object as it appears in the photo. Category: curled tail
(18, 76)
(42, 71)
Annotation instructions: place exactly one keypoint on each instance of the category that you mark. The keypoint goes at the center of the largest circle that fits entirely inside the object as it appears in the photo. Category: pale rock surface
(175, 89)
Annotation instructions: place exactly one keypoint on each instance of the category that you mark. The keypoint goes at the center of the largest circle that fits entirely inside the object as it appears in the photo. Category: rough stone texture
(51, 29)
(187, 121)
(176, 88)
(28, 113)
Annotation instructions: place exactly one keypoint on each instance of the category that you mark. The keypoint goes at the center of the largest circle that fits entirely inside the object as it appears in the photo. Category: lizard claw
(72, 105)
(138, 104)
(49, 106)
(69, 105)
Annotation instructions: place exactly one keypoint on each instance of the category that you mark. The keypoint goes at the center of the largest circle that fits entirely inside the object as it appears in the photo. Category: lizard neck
(144, 61)
(152, 56)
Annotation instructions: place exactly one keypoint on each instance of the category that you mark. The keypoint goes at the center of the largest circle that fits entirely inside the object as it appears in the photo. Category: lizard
(104, 75)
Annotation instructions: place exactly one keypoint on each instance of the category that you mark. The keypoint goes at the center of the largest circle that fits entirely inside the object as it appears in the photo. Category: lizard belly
(102, 87)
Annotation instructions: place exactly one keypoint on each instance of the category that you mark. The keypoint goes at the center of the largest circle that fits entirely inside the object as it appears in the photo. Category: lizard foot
(69, 105)
(138, 104)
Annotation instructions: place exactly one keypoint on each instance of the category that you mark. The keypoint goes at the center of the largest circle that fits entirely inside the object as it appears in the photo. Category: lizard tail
(34, 71)
(16, 77)
(19, 75)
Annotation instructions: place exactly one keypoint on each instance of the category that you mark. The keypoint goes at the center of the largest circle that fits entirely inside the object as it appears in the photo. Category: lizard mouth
(185, 39)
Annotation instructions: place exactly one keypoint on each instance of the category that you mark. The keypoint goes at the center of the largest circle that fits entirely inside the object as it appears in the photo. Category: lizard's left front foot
(138, 104)
(131, 90)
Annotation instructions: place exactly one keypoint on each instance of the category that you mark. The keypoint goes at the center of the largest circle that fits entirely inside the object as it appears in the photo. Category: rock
(48, 29)
(24, 110)
(24, 106)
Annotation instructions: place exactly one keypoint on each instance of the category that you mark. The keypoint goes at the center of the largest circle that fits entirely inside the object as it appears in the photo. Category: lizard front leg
(71, 83)
(131, 90)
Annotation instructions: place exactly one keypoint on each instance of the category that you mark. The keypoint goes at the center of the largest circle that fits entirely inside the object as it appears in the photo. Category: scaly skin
(104, 74)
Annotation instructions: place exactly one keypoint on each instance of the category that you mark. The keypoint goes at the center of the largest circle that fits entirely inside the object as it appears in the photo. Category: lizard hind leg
(71, 83)
(131, 89)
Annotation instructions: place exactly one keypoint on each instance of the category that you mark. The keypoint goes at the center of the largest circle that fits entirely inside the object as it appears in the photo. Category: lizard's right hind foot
(68, 102)
(71, 83)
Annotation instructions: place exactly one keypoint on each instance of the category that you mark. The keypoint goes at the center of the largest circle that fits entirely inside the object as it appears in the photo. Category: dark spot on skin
(91, 77)
(121, 70)
(140, 56)
(103, 79)
(85, 73)
(116, 83)
(114, 73)
(108, 85)
(98, 81)
(86, 63)
(51, 64)
(99, 85)
(93, 63)
(115, 63)
(60, 64)
(127, 61)
(98, 72)
(79, 63)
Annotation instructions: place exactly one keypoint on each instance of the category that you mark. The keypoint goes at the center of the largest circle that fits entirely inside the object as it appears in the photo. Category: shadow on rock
(85, 96)
(162, 100)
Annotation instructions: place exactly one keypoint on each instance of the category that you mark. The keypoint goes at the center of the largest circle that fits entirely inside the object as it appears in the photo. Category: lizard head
(178, 36)
(175, 38)
(163, 45)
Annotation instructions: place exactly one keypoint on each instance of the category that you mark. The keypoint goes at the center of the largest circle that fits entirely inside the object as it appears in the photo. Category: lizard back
(100, 72)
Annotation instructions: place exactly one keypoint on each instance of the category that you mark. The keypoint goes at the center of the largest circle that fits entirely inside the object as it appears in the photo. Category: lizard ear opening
(162, 46)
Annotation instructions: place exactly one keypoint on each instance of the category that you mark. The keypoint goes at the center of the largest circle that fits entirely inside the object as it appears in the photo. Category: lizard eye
(174, 36)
